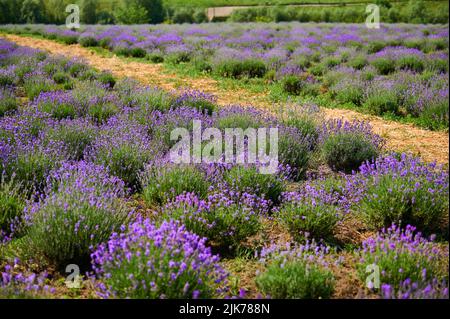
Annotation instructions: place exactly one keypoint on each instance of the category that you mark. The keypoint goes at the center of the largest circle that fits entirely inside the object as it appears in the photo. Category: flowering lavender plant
(310, 213)
(12, 204)
(161, 183)
(82, 209)
(224, 218)
(158, 262)
(124, 147)
(404, 258)
(23, 285)
(405, 190)
(296, 271)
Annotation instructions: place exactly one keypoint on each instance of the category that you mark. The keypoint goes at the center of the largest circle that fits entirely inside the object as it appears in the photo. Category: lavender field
(89, 184)
(400, 71)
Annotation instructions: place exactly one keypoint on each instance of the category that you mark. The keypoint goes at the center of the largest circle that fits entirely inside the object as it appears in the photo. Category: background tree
(31, 11)
(89, 11)
(155, 10)
(9, 12)
(384, 3)
(55, 10)
(132, 12)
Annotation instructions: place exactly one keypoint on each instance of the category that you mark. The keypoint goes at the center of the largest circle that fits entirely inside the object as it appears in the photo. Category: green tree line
(92, 11)
(159, 11)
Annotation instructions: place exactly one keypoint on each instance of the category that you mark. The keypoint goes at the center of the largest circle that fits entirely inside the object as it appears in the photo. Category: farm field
(89, 182)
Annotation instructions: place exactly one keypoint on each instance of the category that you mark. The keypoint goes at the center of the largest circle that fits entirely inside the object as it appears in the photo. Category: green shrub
(406, 199)
(183, 267)
(250, 68)
(437, 65)
(7, 79)
(306, 125)
(83, 212)
(331, 62)
(198, 100)
(401, 255)
(8, 102)
(138, 53)
(349, 92)
(298, 272)
(295, 150)
(31, 169)
(76, 138)
(296, 280)
(106, 78)
(101, 112)
(250, 180)
(68, 39)
(410, 62)
(178, 57)
(88, 41)
(435, 116)
(346, 151)
(183, 15)
(61, 78)
(59, 111)
(202, 65)
(155, 57)
(375, 46)
(309, 218)
(148, 100)
(88, 75)
(162, 184)
(36, 85)
(76, 69)
(318, 69)
(292, 85)
(384, 66)
(224, 221)
(12, 204)
(382, 101)
(358, 62)
(125, 162)
(122, 50)
(105, 43)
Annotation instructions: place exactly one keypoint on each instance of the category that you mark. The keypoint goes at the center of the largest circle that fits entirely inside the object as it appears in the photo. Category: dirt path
(432, 146)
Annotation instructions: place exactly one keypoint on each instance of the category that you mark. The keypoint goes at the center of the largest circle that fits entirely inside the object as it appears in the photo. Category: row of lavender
(78, 147)
(398, 69)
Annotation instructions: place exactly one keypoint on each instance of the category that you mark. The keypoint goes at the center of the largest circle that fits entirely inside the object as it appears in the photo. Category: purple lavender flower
(158, 262)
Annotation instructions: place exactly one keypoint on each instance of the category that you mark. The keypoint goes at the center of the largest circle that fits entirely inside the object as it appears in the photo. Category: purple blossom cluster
(17, 284)
(310, 252)
(409, 264)
(158, 262)
(337, 126)
(225, 218)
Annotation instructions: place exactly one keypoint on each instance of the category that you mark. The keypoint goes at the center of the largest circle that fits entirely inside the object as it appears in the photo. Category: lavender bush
(15, 284)
(224, 218)
(405, 190)
(82, 209)
(161, 183)
(309, 214)
(296, 272)
(405, 258)
(158, 262)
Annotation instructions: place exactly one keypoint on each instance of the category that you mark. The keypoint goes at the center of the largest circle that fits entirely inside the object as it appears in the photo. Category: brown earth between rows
(431, 146)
